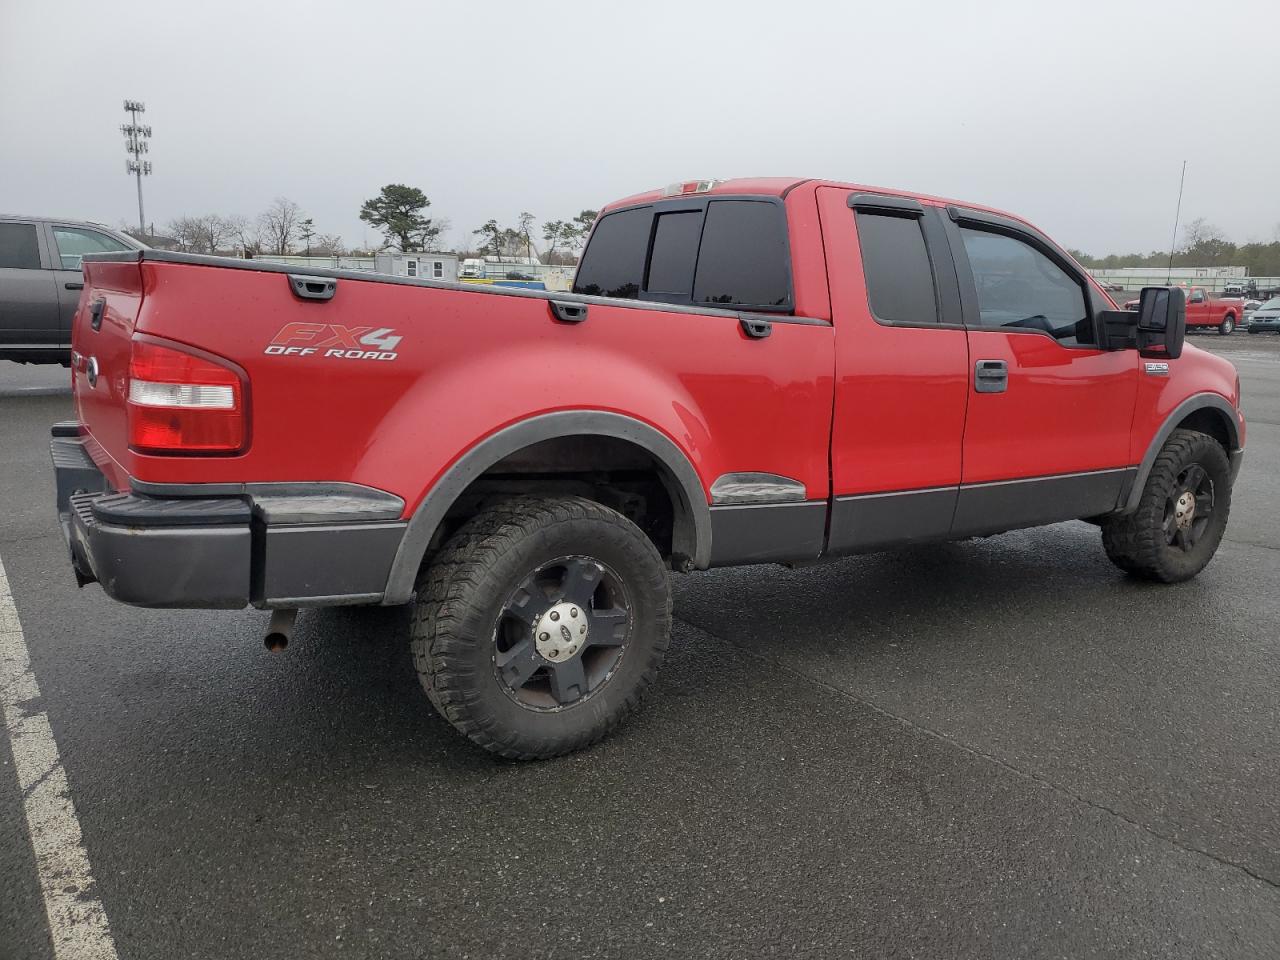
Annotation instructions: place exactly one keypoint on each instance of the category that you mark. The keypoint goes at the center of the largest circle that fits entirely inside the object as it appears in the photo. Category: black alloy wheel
(562, 633)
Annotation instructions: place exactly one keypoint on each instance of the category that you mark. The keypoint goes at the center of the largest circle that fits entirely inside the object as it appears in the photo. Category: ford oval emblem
(91, 371)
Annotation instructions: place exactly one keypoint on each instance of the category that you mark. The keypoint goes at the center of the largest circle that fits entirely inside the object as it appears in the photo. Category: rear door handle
(990, 376)
(757, 328)
(74, 285)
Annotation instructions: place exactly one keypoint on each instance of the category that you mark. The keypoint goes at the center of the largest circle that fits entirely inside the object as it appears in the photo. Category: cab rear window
(723, 253)
(743, 258)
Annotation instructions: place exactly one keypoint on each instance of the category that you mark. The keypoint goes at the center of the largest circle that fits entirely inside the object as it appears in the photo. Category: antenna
(1173, 242)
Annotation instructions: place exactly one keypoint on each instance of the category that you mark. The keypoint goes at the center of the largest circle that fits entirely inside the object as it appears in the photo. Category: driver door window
(1019, 288)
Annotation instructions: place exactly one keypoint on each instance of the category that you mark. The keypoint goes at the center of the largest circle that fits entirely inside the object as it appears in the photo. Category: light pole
(135, 144)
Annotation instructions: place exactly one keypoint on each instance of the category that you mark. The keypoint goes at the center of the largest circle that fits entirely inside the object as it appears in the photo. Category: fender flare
(682, 481)
(1200, 401)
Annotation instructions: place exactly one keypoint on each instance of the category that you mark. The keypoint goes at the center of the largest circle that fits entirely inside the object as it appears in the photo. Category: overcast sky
(1075, 115)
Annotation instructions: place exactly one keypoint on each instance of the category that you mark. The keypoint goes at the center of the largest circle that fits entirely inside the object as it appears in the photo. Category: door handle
(757, 328)
(74, 285)
(990, 376)
(566, 311)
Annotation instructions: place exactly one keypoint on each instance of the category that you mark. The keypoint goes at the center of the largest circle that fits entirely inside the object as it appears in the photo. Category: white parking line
(77, 921)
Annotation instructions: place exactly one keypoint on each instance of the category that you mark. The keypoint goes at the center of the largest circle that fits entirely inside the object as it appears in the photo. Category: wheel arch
(1208, 413)
(691, 533)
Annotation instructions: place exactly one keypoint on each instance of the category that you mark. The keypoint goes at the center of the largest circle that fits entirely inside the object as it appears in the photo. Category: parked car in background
(1202, 311)
(1266, 317)
(40, 282)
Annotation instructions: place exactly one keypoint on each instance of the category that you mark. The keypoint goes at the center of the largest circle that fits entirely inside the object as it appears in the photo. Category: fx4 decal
(334, 340)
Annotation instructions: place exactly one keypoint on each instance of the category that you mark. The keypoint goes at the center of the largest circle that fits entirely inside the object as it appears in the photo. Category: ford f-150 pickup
(1222, 315)
(747, 372)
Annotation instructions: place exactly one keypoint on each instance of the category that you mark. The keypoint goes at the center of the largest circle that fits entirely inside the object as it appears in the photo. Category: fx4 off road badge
(334, 340)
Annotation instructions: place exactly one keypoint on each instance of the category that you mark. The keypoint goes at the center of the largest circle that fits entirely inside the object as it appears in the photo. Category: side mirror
(1162, 322)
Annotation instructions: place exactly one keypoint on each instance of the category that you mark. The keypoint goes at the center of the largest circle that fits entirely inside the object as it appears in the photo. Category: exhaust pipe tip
(279, 629)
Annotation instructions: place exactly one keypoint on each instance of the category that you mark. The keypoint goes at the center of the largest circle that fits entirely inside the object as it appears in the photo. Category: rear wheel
(1181, 515)
(541, 624)
(1228, 324)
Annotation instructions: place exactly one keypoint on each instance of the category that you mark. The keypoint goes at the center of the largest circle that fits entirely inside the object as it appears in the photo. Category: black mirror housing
(1162, 322)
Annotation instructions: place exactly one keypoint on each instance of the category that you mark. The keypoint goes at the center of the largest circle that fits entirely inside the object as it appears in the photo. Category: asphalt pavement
(998, 748)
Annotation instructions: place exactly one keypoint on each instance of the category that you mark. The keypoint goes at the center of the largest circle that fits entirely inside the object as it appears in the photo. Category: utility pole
(136, 144)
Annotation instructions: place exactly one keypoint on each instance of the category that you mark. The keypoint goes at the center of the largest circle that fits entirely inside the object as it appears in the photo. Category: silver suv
(40, 282)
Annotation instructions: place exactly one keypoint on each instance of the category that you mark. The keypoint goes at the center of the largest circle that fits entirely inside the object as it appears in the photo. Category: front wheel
(1181, 515)
(1228, 324)
(541, 624)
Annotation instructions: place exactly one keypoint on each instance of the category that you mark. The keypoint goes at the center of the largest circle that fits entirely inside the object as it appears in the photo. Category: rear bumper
(224, 546)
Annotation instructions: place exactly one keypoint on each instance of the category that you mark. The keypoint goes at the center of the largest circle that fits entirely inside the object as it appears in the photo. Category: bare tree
(185, 232)
(428, 238)
(1199, 232)
(214, 232)
(243, 233)
(328, 245)
(279, 225)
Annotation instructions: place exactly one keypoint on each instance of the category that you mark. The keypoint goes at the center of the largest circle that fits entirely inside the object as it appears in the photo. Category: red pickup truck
(1202, 311)
(751, 371)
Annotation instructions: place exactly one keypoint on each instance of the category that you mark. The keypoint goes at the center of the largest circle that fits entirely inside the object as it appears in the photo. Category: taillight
(183, 402)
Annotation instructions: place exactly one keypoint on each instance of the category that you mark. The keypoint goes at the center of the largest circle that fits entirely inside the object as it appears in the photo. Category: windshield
(1272, 304)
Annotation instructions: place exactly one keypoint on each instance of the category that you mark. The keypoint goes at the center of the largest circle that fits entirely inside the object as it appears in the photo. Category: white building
(427, 266)
(424, 266)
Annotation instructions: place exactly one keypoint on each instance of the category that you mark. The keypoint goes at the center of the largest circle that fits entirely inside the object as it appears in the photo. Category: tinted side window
(1020, 287)
(18, 249)
(743, 259)
(613, 264)
(74, 243)
(675, 251)
(896, 264)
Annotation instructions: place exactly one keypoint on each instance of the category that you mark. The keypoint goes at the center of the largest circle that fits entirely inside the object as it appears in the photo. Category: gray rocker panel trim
(683, 484)
(874, 521)
(768, 532)
(987, 508)
(1200, 401)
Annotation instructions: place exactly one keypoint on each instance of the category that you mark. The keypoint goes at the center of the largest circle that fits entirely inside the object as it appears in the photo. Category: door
(1049, 414)
(1198, 309)
(28, 298)
(902, 365)
(69, 244)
